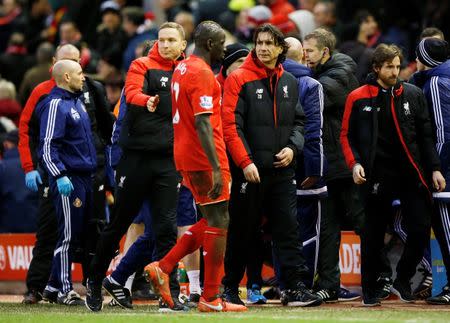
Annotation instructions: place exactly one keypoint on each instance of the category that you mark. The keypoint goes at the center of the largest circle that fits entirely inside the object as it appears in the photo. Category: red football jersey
(195, 91)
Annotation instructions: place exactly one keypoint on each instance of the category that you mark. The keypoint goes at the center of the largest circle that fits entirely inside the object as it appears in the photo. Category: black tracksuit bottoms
(416, 207)
(275, 197)
(140, 176)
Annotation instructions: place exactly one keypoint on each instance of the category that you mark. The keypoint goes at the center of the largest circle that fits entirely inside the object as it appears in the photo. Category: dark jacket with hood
(338, 79)
(412, 125)
(143, 130)
(261, 114)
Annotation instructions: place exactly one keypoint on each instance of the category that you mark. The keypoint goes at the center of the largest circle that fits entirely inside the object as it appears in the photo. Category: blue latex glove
(65, 186)
(32, 180)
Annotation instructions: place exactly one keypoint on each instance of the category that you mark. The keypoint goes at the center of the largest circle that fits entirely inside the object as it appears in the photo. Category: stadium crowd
(253, 130)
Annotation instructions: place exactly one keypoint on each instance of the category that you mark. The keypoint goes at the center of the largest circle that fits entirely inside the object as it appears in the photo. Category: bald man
(46, 236)
(37, 180)
(67, 152)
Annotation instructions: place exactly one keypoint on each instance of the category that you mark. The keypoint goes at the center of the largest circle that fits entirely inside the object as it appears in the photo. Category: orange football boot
(219, 305)
(160, 281)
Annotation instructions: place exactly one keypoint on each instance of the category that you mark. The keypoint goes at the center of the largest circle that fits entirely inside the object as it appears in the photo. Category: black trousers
(416, 206)
(140, 176)
(46, 237)
(95, 224)
(275, 197)
(343, 210)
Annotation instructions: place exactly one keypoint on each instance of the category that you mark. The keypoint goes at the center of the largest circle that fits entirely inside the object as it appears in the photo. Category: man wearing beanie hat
(235, 55)
(434, 79)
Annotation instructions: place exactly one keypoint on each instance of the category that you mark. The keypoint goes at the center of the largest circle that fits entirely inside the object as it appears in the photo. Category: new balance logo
(367, 108)
(45, 192)
(259, 93)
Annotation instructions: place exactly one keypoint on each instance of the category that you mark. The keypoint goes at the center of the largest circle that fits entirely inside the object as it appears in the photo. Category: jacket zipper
(397, 127)
(274, 100)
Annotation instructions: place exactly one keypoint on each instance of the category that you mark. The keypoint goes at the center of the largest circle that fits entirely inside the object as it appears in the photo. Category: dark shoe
(144, 294)
(423, 291)
(119, 293)
(231, 295)
(299, 297)
(272, 293)
(441, 299)
(49, 296)
(32, 297)
(177, 307)
(403, 291)
(194, 298)
(384, 288)
(344, 295)
(327, 295)
(72, 298)
(370, 301)
(94, 298)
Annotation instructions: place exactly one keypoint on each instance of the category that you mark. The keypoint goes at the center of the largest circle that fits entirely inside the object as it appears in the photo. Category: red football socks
(214, 244)
(187, 244)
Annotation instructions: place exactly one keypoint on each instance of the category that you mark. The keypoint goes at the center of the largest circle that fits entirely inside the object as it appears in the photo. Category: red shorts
(200, 183)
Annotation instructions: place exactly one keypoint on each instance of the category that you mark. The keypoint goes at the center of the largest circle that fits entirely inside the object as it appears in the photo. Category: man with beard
(388, 143)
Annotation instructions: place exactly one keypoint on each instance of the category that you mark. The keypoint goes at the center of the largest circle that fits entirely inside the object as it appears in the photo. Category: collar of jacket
(66, 94)
(397, 89)
(253, 64)
(169, 64)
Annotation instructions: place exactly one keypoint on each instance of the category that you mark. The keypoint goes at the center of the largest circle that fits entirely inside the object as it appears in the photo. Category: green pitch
(60, 314)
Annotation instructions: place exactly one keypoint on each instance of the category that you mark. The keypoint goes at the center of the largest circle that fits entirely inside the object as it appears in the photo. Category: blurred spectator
(248, 20)
(307, 5)
(172, 7)
(18, 204)
(38, 73)
(186, 20)
(70, 34)
(10, 14)
(113, 89)
(138, 30)
(325, 17)
(111, 38)
(15, 61)
(437, 14)
(278, 7)
(85, 14)
(9, 107)
(364, 36)
(304, 21)
(209, 10)
(38, 27)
